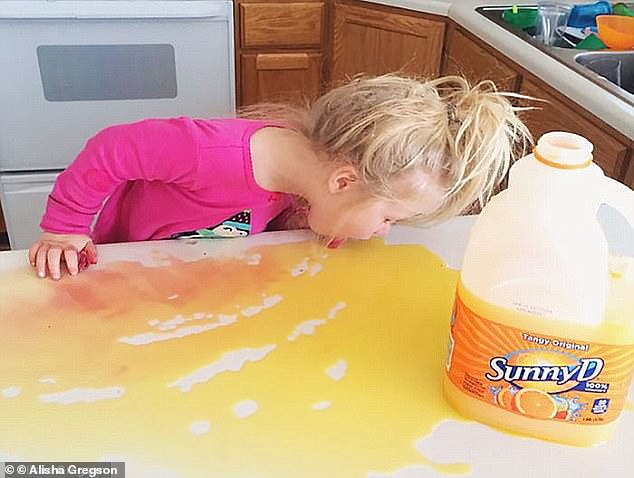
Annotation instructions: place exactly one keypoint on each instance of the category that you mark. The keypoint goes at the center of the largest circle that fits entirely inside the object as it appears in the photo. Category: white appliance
(70, 68)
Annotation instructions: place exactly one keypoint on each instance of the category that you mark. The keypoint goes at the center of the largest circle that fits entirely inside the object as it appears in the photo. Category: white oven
(70, 68)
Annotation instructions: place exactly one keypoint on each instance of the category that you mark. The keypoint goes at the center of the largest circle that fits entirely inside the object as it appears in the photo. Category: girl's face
(350, 210)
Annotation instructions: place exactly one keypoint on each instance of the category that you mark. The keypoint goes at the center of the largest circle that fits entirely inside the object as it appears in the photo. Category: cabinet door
(376, 40)
(285, 77)
(562, 115)
(465, 57)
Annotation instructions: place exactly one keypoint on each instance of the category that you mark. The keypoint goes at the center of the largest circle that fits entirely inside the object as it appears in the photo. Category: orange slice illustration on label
(535, 404)
(504, 399)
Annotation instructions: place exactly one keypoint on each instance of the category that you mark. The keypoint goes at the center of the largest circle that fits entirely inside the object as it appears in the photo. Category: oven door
(71, 68)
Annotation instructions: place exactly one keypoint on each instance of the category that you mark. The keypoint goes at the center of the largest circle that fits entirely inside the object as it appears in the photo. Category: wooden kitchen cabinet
(560, 114)
(466, 56)
(375, 39)
(280, 49)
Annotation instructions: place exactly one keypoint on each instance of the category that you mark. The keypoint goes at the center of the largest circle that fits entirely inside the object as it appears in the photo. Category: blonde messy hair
(464, 136)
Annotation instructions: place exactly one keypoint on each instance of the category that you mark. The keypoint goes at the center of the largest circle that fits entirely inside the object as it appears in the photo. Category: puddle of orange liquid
(391, 334)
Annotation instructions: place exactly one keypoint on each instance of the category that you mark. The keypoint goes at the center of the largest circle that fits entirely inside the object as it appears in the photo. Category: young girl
(364, 156)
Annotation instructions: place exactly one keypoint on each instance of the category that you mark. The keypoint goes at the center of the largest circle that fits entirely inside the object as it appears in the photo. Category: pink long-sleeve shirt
(164, 178)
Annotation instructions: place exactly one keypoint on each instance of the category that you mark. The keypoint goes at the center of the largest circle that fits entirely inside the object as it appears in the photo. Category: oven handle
(120, 10)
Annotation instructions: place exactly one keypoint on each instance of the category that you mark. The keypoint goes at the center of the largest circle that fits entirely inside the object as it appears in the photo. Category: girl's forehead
(415, 193)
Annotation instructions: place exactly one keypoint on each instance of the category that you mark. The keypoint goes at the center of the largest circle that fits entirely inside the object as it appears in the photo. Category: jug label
(536, 375)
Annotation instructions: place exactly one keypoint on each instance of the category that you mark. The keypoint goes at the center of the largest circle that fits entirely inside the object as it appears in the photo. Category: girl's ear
(342, 179)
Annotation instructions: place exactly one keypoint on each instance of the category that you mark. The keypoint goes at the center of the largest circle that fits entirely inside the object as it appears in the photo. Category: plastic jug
(532, 347)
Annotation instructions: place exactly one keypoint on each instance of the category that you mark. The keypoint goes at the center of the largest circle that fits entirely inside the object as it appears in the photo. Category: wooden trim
(628, 167)
(394, 10)
(375, 15)
(237, 50)
(328, 46)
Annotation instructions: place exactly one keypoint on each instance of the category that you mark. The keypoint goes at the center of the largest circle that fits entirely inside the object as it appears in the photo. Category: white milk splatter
(306, 328)
(338, 370)
(339, 306)
(150, 337)
(300, 268)
(271, 300)
(153, 322)
(322, 405)
(172, 297)
(315, 269)
(245, 408)
(172, 323)
(229, 362)
(47, 380)
(254, 260)
(200, 427)
(84, 395)
(11, 392)
(227, 319)
(267, 302)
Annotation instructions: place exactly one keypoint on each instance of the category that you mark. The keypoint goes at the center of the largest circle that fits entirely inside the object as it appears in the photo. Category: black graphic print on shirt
(236, 226)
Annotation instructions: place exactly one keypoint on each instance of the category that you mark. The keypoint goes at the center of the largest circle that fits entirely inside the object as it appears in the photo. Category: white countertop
(148, 367)
(614, 111)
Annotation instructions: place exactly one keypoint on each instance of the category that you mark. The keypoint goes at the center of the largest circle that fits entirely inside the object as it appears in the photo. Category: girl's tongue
(336, 242)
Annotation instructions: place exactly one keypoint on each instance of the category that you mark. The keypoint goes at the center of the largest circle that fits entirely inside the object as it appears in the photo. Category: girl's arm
(152, 150)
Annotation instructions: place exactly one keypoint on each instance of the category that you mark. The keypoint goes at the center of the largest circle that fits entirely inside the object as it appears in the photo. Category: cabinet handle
(281, 61)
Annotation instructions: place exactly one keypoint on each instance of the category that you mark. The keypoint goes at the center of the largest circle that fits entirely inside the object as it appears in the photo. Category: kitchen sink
(611, 70)
(614, 66)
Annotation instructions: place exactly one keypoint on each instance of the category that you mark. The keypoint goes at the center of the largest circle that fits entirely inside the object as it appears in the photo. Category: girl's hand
(77, 251)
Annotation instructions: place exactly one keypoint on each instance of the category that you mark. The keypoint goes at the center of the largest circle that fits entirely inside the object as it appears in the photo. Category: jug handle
(620, 197)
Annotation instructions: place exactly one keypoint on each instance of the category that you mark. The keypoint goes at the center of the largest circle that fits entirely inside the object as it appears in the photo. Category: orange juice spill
(300, 421)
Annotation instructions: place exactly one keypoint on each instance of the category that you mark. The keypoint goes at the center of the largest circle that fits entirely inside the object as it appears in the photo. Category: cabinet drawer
(281, 24)
(280, 77)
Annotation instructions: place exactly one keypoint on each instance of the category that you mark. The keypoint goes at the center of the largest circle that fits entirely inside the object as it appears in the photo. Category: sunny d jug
(542, 331)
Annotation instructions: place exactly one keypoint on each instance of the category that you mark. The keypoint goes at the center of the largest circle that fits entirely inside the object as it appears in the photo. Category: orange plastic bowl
(616, 31)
